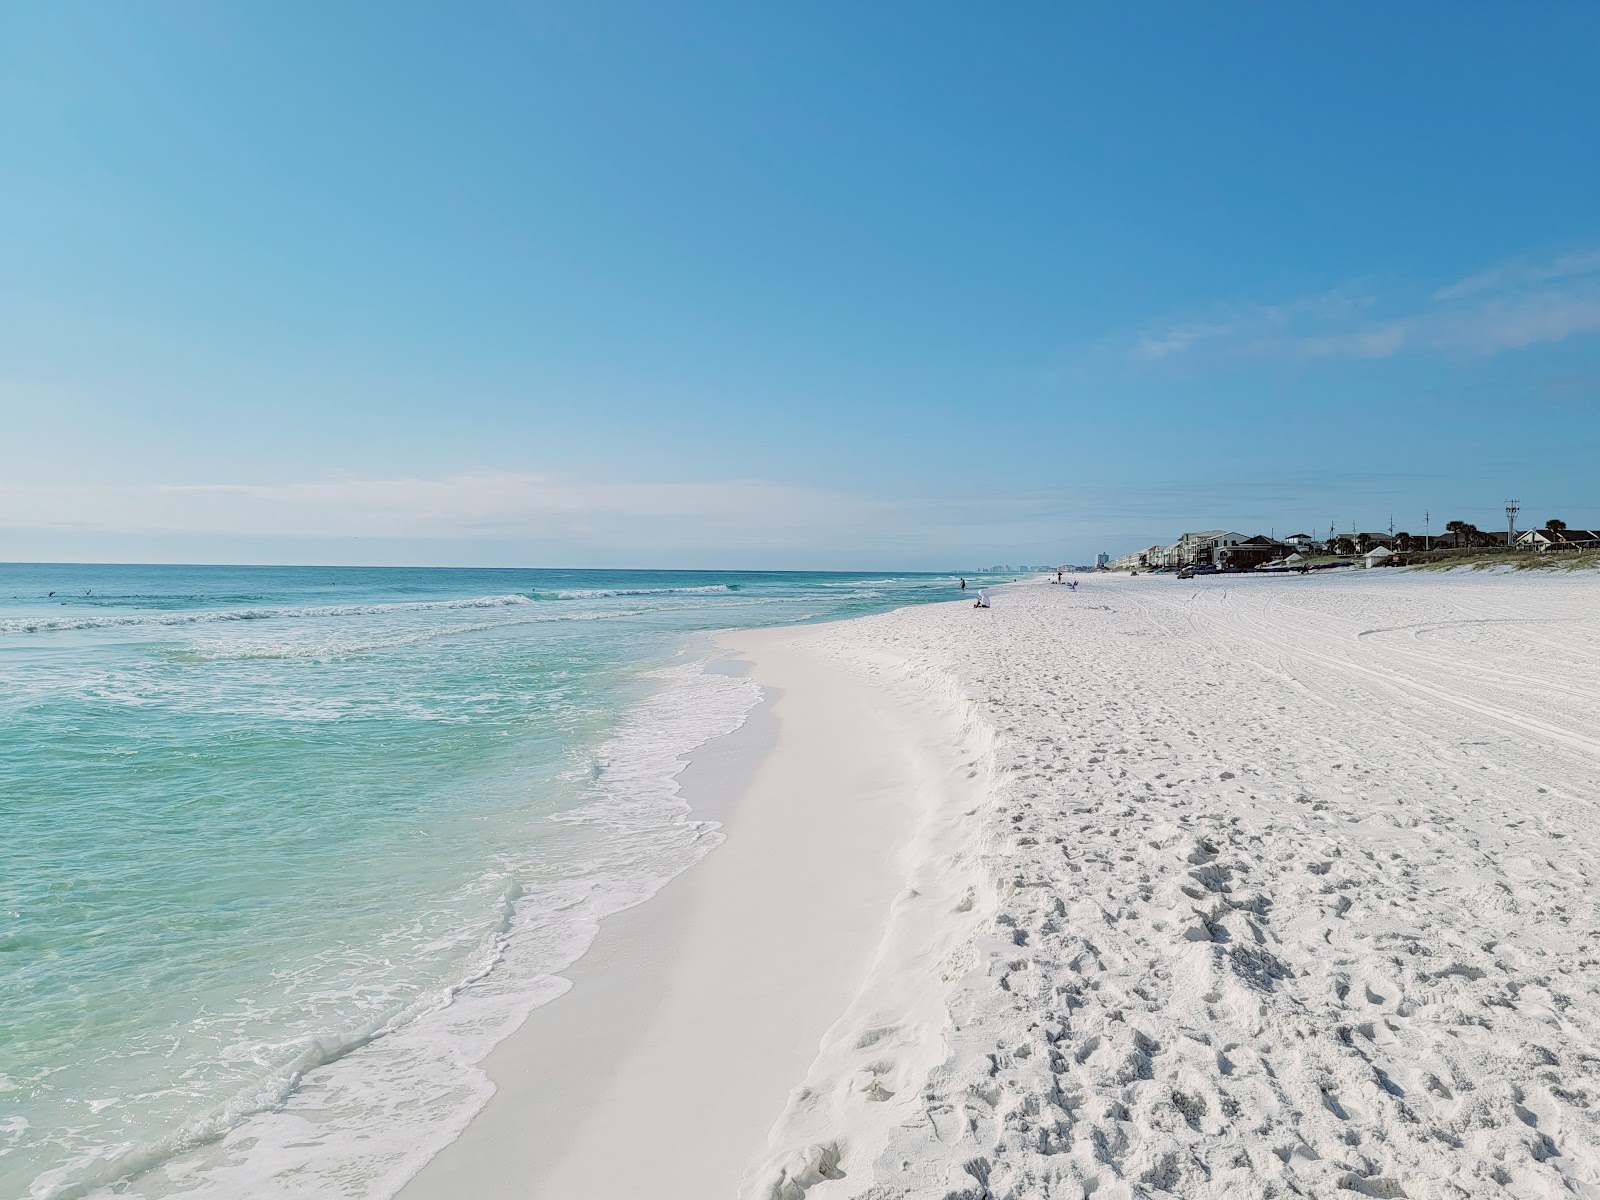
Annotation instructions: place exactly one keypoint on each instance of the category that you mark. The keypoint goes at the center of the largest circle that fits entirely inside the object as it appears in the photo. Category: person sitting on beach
(983, 599)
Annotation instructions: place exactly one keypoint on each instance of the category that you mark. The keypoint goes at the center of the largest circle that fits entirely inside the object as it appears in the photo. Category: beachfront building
(1378, 556)
(1199, 548)
(1559, 539)
(1250, 552)
(1303, 543)
(1140, 560)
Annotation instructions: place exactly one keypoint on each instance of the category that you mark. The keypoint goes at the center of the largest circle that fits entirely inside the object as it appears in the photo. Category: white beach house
(1559, 539)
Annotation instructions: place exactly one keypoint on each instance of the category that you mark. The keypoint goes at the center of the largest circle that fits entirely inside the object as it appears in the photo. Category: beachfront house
(1147, 559)
(1303, 543)
(1250, 552)
(1199, 548)
(1559, 539)
(1165, 556)
(1223, 549)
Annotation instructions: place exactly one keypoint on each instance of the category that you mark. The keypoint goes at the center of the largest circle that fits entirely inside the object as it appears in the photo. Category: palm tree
(1554, 525)
(1466, 533)
(1403, 541)
(1343, 545)
(1363, 543)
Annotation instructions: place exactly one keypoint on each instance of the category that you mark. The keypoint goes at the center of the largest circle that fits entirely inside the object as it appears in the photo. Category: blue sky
(897, 285)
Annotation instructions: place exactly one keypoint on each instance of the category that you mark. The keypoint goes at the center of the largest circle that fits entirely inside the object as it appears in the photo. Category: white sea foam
(606, 593)
(206, 617)
(376, 1102)
(339, 649)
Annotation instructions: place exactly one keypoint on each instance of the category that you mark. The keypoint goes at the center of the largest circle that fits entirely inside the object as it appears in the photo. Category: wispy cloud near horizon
(546, 517)
(1509, 307)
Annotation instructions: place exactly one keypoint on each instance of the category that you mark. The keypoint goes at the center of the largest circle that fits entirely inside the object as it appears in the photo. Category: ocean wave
(332, 650)
(58, 624)
(604, 593)
(417, 1080)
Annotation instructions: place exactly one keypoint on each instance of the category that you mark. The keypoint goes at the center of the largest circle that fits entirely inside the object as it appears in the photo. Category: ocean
(286, 850)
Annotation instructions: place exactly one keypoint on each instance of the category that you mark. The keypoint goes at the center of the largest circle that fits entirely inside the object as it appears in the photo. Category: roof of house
(1379, 552)
(1562, 536)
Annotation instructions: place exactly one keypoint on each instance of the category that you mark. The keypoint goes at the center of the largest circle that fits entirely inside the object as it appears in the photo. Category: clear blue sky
(788, 285)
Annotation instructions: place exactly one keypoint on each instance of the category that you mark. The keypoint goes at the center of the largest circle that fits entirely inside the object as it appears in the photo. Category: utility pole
(1427, 529)
(1513, 507)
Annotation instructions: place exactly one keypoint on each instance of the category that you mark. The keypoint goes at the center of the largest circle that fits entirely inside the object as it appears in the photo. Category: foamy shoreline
(1229, 888)
(693, 1016)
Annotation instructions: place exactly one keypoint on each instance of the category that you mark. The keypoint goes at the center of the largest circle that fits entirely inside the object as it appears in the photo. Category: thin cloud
(1257, 324)
(1510, 307)
(485, 504)
(550, 515)
(1521, 273)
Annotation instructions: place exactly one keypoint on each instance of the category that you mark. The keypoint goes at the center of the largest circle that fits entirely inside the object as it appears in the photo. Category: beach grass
(1482, 558)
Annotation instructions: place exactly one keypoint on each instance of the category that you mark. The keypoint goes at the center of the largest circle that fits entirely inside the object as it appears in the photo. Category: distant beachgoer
(963, 585)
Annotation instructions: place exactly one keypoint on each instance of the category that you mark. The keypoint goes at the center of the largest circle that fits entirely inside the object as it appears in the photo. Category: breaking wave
(603, 593)
(56, 624)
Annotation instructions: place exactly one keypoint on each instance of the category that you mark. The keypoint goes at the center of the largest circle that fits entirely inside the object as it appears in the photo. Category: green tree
(1343, 545)
(1555, 525)
(1404, 541)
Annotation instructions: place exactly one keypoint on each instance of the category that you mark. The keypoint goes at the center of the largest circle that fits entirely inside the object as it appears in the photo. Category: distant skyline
(903, 286)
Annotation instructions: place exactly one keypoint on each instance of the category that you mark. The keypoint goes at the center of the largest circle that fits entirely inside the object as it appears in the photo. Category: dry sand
(1292, 889)
(1221, 888)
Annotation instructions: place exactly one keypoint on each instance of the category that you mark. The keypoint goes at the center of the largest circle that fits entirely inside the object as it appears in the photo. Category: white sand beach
(1239, 887)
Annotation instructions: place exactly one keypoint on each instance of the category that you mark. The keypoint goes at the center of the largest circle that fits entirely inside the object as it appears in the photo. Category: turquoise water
(287, 849)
